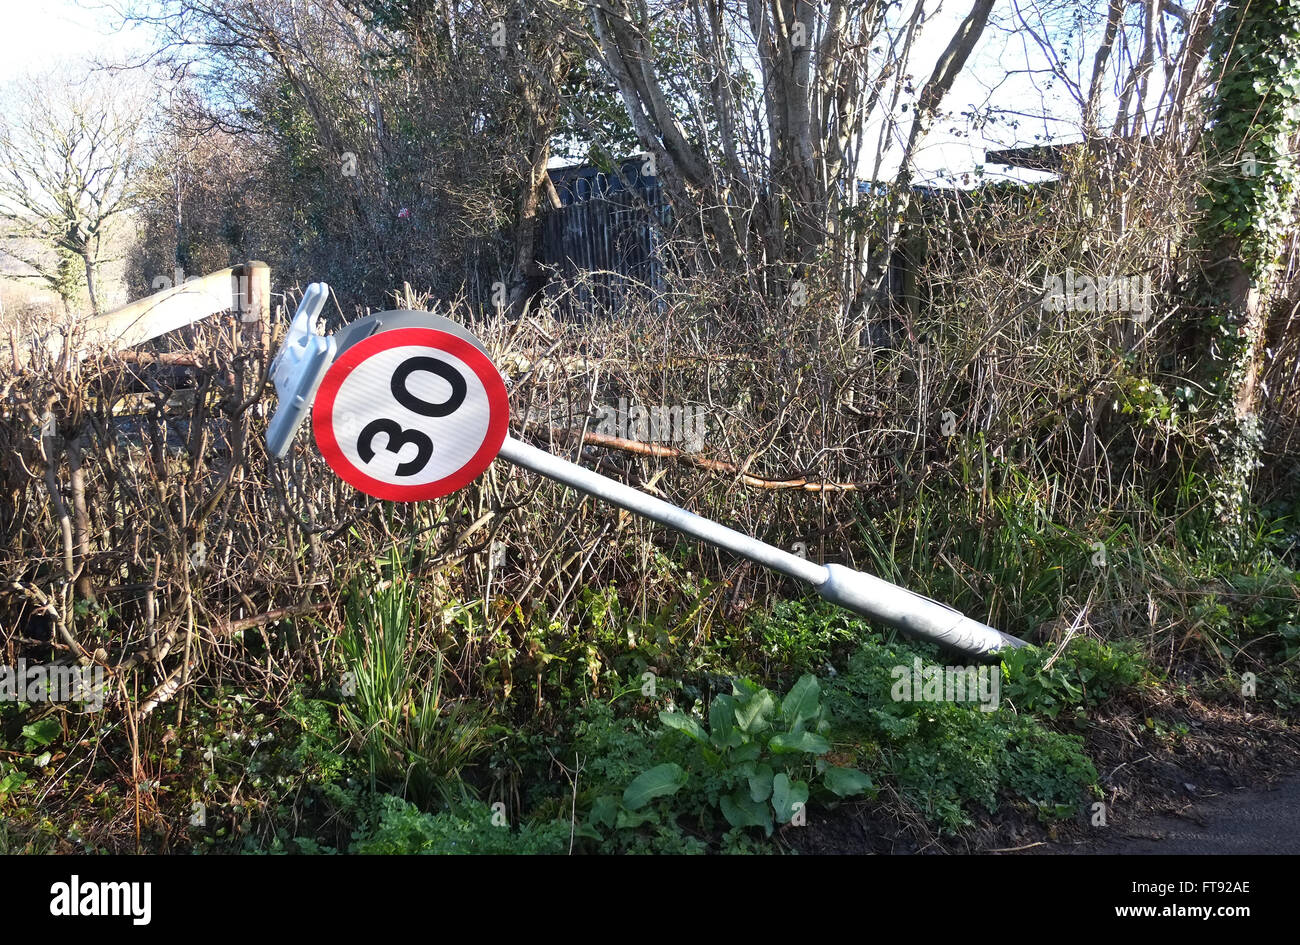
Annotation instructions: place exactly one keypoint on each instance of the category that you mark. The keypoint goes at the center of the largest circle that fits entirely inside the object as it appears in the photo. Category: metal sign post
(410, 407)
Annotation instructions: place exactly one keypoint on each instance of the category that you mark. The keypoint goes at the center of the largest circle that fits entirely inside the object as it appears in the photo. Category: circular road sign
(411, 413)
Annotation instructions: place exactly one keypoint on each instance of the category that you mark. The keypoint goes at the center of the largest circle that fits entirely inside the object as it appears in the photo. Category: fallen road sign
(413, 408)
(410, 413)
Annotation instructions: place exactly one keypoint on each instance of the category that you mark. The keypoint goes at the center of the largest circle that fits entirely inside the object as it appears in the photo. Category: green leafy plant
(42, 733)
(754, 762)
(1083, 675)
(790, 635)
(948, 758)
(399, 827)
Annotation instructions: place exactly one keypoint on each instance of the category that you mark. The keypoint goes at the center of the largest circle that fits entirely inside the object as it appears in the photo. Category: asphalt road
(1257, 821)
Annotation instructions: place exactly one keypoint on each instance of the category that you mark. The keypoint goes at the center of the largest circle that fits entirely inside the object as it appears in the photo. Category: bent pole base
(853, 590)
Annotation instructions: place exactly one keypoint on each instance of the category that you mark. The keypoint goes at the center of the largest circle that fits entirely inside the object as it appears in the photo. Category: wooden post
(253, 296)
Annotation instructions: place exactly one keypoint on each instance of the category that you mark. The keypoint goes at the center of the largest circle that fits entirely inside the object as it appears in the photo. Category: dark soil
(1178, 776)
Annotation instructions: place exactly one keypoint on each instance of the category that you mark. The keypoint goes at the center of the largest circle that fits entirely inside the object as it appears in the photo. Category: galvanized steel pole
(853, 590)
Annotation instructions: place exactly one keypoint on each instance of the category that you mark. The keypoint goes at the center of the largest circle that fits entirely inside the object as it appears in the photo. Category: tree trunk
(90, 281)
(526, 277)
(1250, 187)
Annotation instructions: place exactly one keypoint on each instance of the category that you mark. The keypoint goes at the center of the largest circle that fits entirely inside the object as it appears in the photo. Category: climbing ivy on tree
(1255, 110)
(1247, 208)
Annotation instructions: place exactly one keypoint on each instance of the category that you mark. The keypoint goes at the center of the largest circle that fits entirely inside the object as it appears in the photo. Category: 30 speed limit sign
(407, 405)
(410, 413)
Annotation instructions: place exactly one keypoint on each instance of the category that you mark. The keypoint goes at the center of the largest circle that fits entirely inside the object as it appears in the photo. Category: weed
(950, 758)
(411, 737)
(399, 827)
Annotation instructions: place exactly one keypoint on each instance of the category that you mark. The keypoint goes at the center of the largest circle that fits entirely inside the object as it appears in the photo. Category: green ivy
(1255, 108)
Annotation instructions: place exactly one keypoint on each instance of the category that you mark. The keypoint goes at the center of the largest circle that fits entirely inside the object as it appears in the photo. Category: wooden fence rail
(245, 289)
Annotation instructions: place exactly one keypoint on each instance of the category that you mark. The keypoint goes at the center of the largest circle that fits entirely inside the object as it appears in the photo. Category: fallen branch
(172, 359)
(713, 465)
(228, 627)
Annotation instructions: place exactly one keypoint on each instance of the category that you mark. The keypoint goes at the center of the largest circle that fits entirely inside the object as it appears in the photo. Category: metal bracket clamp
(298, 368)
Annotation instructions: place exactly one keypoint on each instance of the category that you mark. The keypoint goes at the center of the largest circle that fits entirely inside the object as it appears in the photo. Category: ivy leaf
(39, 734)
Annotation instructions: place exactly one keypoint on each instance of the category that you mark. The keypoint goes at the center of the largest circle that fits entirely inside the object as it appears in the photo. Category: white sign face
(410, 414)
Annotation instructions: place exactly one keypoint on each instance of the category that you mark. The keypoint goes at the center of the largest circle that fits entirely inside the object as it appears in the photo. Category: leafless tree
(765, 131)
(69, 149)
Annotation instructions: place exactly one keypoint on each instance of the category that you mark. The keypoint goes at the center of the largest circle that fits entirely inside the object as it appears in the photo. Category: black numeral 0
(398, 436)
(423, 407)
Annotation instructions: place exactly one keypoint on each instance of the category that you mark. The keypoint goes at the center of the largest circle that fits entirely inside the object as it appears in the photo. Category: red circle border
(487, 373)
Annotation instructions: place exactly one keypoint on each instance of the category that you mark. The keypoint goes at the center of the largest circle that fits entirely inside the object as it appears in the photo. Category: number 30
(398, 436)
